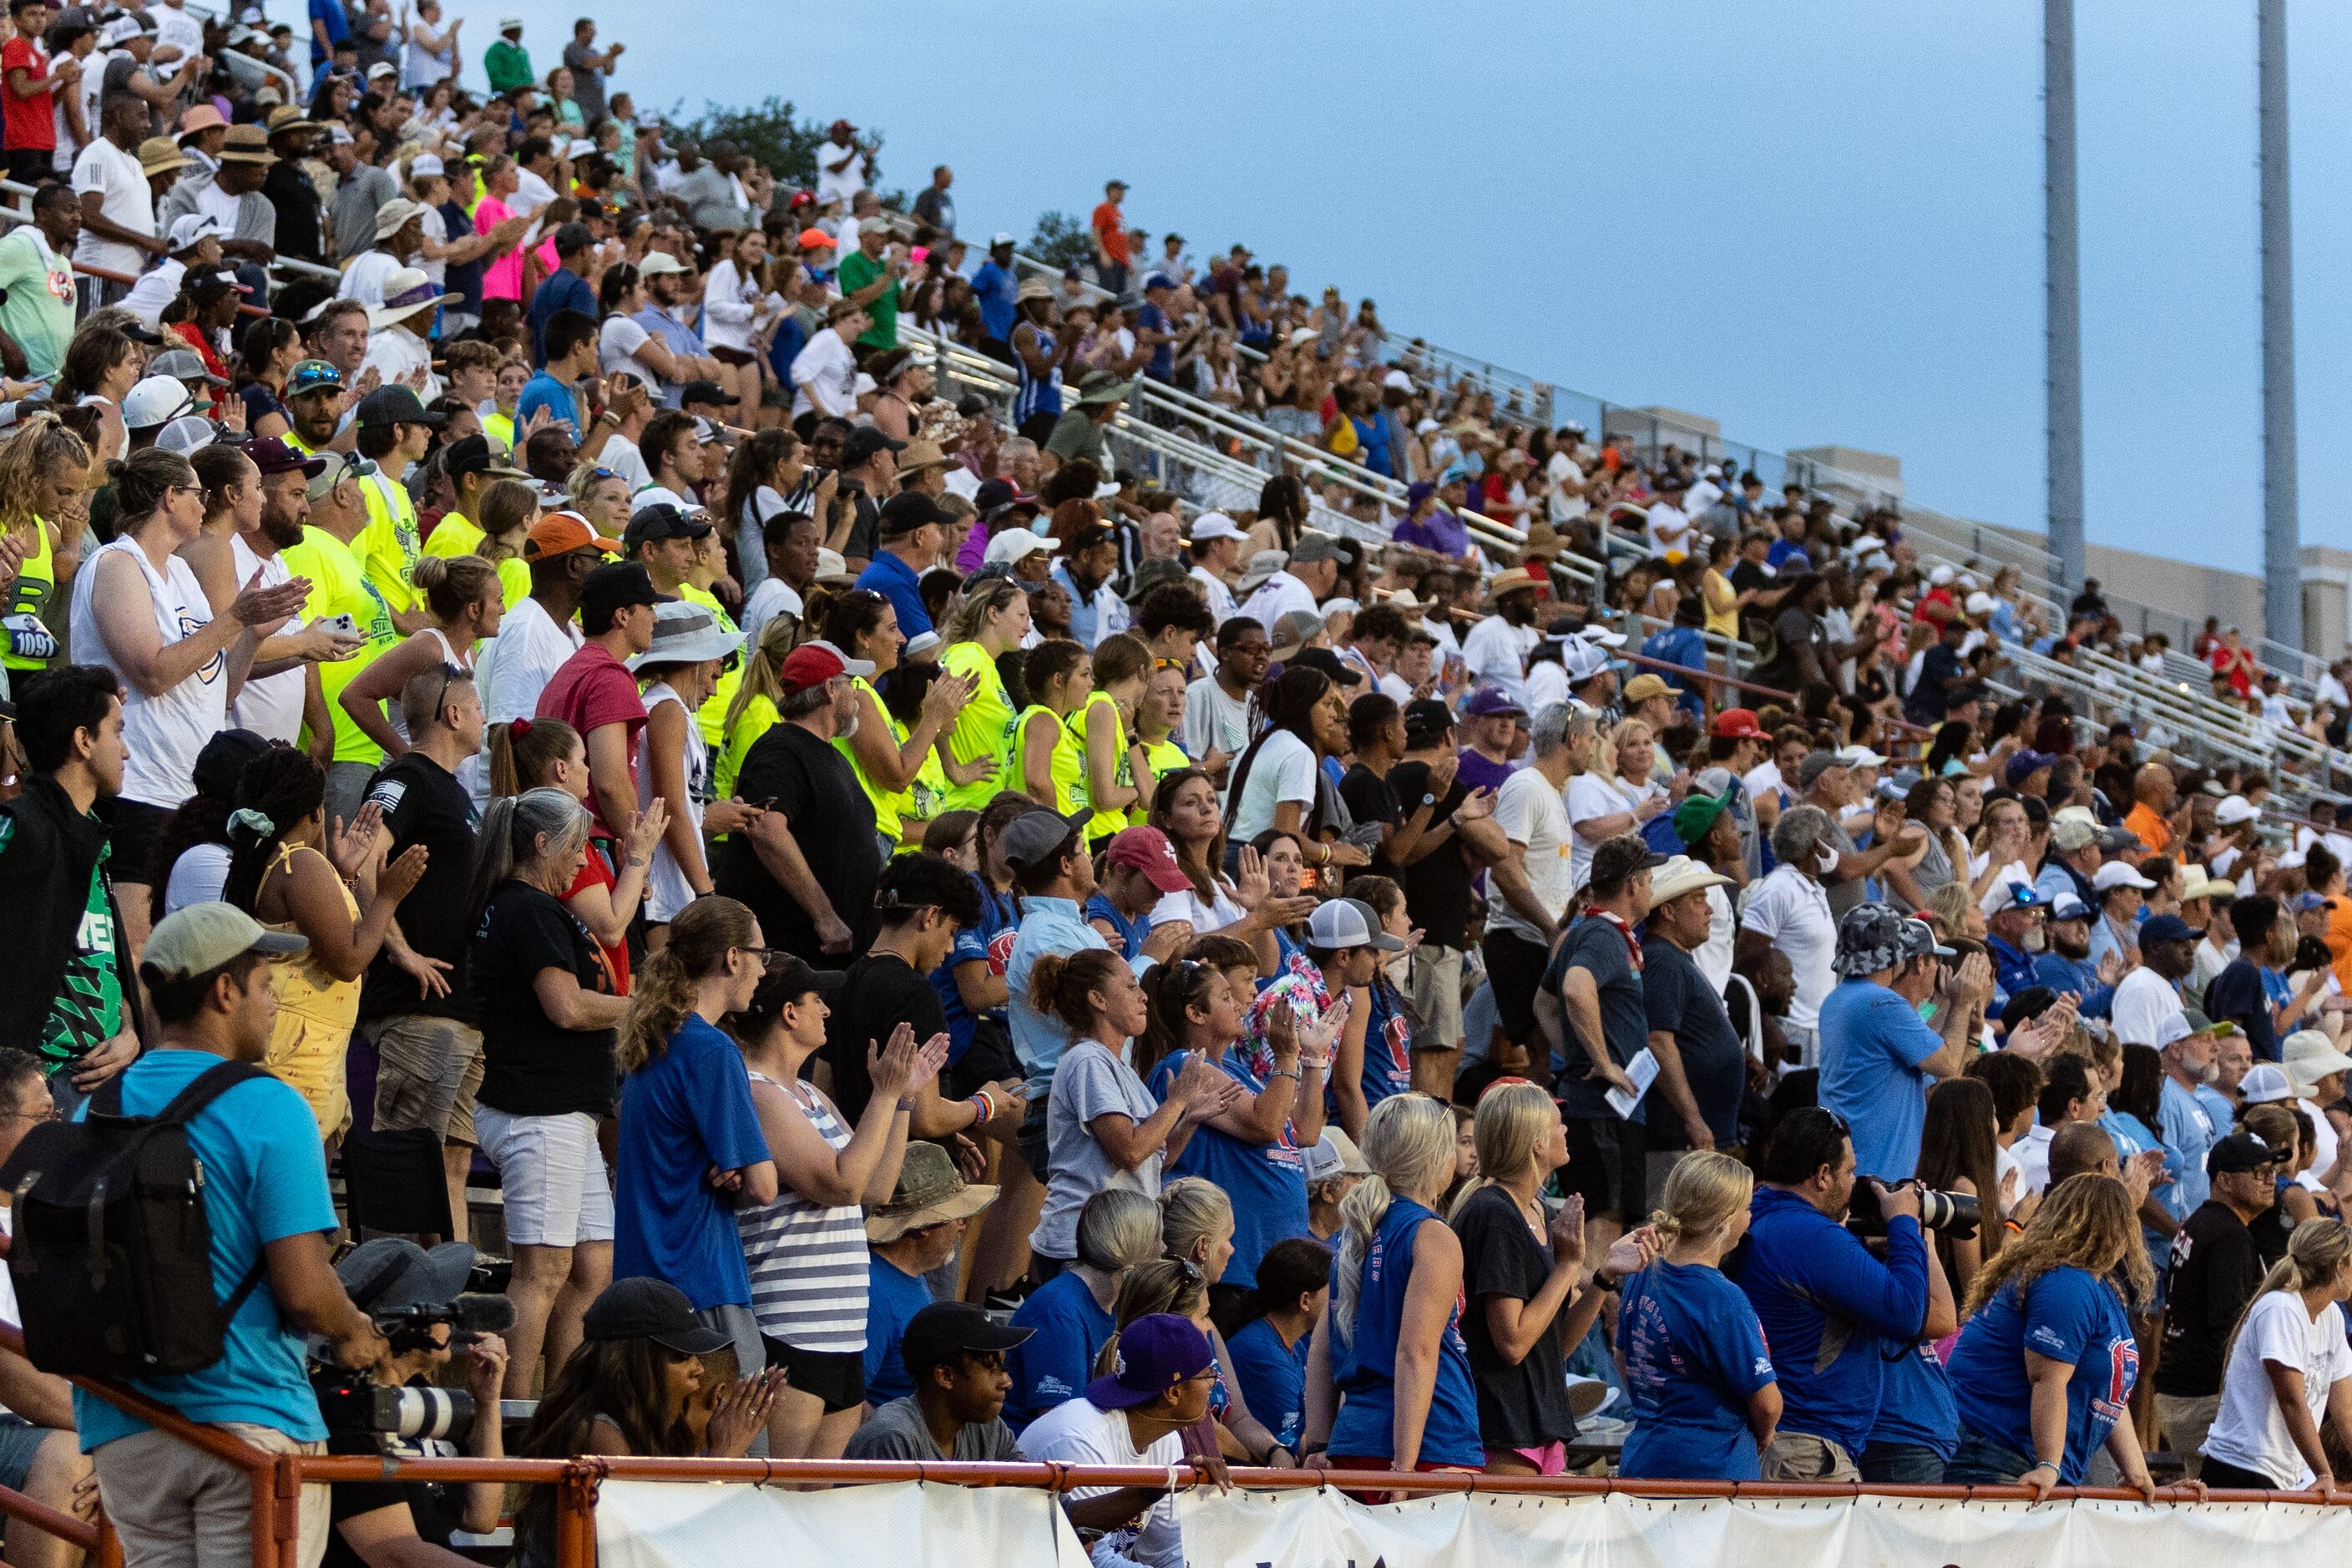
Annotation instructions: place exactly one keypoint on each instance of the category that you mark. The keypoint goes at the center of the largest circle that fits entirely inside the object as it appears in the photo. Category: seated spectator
(2289, 1370)
(917, 1232)
(954, 1357)
(2055, 1286)
(1069, 1314)
(1132, 1416)
(1706, 1401)
(638, 1384)
(1274, 1326)
(2213, 1273)
(1176, 1286)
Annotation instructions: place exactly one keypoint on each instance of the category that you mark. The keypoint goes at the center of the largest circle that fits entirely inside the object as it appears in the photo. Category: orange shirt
(2155, 833)
(1110, 224)
(2338, 937)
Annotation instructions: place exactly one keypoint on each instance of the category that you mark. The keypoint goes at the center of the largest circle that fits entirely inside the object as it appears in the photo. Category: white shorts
(552, 1175)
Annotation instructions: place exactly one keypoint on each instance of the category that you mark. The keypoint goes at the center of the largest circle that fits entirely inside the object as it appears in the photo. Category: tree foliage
(1062, 240)
(771, 135)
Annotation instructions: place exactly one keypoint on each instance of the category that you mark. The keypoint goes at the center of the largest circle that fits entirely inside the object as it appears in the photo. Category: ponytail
(452, 585)
(1173, 988)
(509, 837)
(1061, 984)
(524, 752)
(1161, 1285)
(1409, 1143)
(700, 938)
(280, 790)
(2315, 1254)
(1290, 1271)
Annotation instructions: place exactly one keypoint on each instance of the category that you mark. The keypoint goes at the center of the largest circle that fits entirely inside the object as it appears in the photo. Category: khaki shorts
(175, 1506)
(429, 1069)
(1801, 1457)
(2184, 1420)
(1436, 990)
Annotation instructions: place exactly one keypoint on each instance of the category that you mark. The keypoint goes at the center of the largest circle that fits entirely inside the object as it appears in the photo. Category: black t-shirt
(531, 1067)
(296, 202)
(1794, 630)
(1748, 575)
(1681, 1003)
(1371, 798)
(436, 1506)
(1522, 1406)
(2214, 1273)
(879, 991)
(424, 804)
(1437, 886)
(1597, 946)
(832, 820)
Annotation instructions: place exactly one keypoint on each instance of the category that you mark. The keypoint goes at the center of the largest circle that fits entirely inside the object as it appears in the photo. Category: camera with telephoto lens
(354, 1403)
(1953, 1214)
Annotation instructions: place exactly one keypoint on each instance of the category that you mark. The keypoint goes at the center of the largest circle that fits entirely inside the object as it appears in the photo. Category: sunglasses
(449, 672)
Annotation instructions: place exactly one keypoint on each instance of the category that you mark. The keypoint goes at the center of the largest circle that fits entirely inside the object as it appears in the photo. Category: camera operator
(1826, 1302)
(413, 1297)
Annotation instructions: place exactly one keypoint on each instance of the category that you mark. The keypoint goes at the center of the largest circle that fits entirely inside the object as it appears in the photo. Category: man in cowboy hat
(1497, 649)
(239, 172)
(400, 332)
(1701, 1062)
(292, 198)
(911, 1234)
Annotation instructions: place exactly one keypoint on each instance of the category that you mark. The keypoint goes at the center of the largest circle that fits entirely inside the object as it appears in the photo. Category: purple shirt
(1437, 530)
(1477, 771)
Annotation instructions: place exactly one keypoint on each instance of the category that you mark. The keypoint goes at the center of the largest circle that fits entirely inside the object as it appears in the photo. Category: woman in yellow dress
(993, 621)
(1059, 677)
(283, 873)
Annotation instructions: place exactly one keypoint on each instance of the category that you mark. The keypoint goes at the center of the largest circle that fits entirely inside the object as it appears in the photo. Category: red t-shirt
(1111, 226)
(31, 123)
(589, 691)
(594, 872)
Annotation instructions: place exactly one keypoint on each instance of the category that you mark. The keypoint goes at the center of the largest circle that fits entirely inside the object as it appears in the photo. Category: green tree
(771, 136)
(1062, 240)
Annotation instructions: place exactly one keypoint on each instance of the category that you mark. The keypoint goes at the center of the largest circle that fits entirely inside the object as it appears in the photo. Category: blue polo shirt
(895, 581)
(562, 404)
(1872, 1042)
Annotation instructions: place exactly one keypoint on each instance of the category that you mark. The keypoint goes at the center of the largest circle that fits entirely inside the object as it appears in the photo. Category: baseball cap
(1147, 850)
(396, 405)
(480, 455)
(1737, 724)
(2070, 908)
(1873, 936)
(202, 937)
(188, 434)
(2235, 809)
(2168, 928)
(1315, 546)
(559, 533)
(571, 238)
(945, 1330)
(2240, 1153)
(996, 497)
(2013, 896)
(1334, 1154)
(905, 513)
(613, 586)
(1644, 686)
(1695, 816)
(2025, 765)
(389, 1273)
(1491, 702)
(2117, 874)
(223, 762)
(814, 663)
(660, 264)
(2263, 1082)
(1815, 764)
(183, 365)
(313, 375)
(1156, 1353)
(273, 456)
(662, 519)
(2070, 834)
(1341, 924)
(1018, 545)
(1215, 525)
(190, 228)
(1033, 835)
(424, 165)
(656, 1309)
(334, 469)
(862, 443)
(1426, 720)
(156, 400)
(707, 392)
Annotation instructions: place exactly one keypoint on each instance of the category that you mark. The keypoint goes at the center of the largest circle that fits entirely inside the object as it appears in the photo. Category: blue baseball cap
(1155, 1354)
(2015, 896)
(2070, 908)
(2168, 928)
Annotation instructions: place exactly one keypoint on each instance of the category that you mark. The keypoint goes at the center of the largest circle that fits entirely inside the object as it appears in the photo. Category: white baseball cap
(1016, 545)
(1214, 525)
(2119, 874)
(2235, 809)
(426, 165)
(188, 228)
(158, 400)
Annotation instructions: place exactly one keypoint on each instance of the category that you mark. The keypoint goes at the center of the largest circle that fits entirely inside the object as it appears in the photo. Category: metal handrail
(16, 207)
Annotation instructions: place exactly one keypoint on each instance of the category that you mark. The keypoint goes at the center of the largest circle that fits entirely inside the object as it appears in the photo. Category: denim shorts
(1982, 1461)
(19, 1441)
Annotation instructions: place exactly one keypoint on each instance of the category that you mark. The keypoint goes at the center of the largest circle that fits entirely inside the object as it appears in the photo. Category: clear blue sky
(1816, 223)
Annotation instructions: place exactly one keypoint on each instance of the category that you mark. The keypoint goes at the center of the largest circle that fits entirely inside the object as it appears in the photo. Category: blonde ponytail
(2315, 1254)
(1703, 1191)
(1409, 1143)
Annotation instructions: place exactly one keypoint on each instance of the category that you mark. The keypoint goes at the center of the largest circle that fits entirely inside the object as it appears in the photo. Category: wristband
(1290, 1073)
(906, 1102)
(984, 1102)
(1602, 1282)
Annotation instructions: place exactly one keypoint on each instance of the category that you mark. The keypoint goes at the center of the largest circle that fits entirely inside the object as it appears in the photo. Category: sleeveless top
(30, 595)
(666, 890)
(1105, 821)
(1068, 765)
(395, 712)
(808, 1262)
(1036, 395)
(983, 727)
(1364, 1365)
(162, 734)
(887, 803)
(302, 984)
(271, 706)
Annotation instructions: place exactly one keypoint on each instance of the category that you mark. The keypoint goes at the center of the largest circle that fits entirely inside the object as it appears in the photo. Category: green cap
(1697, 814)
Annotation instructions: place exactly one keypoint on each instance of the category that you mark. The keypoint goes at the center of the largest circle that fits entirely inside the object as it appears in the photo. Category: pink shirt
(502, 278)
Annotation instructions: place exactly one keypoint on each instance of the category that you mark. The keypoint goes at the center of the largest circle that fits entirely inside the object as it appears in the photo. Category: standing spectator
(38, 315)
(2043, 1373)
(1707, 1403)
(548, 1011)
(934, 206)
(954, 1356)
(1789, 912)
(1528, 886)
(1690, 1033)
(1069, 1315)
(1112, 256)
(869, 278)
(507, 63)
(1595, 977)
(1217, 706)
(2212, 1274)
(1521, 1277)
(1815, 1288)
(2146, 1007)
(691, 1152)
(1389, 1352)
(841, 165)
(118, 206)
(271, 1218)
(2241, 995)
(30, 122)
(68, 978)
(595, 693)
(536, 636)
(1877, 1054)
(2289, 1370)
(589, 64)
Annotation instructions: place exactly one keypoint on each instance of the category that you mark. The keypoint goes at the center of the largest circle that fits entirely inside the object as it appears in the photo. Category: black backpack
(112, 1254)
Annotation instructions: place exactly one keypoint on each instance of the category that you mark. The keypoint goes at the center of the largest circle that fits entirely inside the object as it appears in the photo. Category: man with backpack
(269, 1220)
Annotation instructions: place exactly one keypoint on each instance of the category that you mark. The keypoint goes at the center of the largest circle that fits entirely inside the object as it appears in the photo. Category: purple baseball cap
(1155, 1354)
(1488, 701)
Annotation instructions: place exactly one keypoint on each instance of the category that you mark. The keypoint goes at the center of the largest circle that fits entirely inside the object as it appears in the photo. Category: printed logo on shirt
(1000, 950)
(387, 794)
(213, 667)
(2123, 1371)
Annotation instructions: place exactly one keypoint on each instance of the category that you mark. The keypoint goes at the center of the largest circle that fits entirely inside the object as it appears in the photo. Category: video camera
(1953, 1214)
(352, 1401)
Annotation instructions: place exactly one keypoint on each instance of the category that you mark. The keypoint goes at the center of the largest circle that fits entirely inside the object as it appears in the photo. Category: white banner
(669, 1524)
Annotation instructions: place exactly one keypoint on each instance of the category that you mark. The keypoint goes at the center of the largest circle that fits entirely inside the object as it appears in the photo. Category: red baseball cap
(814, 663)
(1739, 725)
(1147, 850)
(561, 533)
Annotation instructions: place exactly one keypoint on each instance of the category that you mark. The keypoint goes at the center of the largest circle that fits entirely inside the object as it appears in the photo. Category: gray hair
(1556, 725)
(800, 704)
(509, 837)
(1800, 827)
(1118, 1229)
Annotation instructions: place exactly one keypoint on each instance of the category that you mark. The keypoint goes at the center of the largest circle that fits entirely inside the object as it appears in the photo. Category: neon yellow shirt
(888, 805)
(759, 717)
(387, 548)
(1068, 765)
(1165, 757)
(983, 727)
(711, 717)
(30, 595)
(1104, 822)
(339, 586)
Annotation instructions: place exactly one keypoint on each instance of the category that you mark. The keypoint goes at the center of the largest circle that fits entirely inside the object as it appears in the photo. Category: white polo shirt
(1793, 910)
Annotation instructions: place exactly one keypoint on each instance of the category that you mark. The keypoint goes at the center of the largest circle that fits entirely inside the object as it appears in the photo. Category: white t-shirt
(123, 199)
(668, 892)
(617, 343)
(620, 455)
(532, 648)
(1496, 650)
(2143, 1001)
(1277, 596)
(531, 192)
(2251, 1431)
(773, 597)
(1078, 1432)
(156, 288)
(197, 878)
(1213, 916)
(1793, 910)
(1713, 956)
(1667, 528)
(1283, 769)
(843, 186)
(364, 280)
(1532, 814)
(1566, 502)
(827, 365)
(395, 353)
(164, 732)
(2324, 1141)
(271, 707)
(175, 29)
(1212, 721)
(2031, 1153)
(1590, 798)
(1221, 598)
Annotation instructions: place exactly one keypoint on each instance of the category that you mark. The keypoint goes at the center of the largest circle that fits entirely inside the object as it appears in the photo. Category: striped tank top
(808, 1262)
(1037, 394)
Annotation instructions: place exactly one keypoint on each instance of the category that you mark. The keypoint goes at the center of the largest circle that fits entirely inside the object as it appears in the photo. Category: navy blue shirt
(2238, 995)
(2013, 970)
(463, 278)
(989, 942)
(1598, 946)
(562, 289)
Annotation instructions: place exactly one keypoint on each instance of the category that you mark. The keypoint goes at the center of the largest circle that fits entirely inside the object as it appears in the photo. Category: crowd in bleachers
(910, 935)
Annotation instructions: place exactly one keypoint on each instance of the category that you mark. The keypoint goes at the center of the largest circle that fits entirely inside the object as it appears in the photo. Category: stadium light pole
(2062, 288)
(2281, 532)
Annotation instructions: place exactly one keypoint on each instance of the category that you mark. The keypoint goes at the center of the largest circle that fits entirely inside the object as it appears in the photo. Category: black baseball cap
(905, 513)
(1324, 660)
(945, 1330)
(614, 586)
(570, 238)
(397, 405)
(656, 1309)
(663, 521)
(862, 443)
(1427, 719)
(703, 392)
(480, 455)
(2239, 1152)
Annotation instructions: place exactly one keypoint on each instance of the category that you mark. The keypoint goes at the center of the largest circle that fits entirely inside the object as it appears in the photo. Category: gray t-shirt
(1934, 869)
(1088, 1082)
(897, 1431)
(1842, 896)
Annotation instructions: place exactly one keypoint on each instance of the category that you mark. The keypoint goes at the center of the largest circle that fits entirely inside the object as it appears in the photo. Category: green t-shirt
(38, 310)
(858, 271)
(88, 1010)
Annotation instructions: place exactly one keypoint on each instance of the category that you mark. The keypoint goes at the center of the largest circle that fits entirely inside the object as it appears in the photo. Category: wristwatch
(1429, 800)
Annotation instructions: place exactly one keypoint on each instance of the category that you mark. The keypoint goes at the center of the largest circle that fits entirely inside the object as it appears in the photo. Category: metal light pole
(2281, 537)
(2061, 281)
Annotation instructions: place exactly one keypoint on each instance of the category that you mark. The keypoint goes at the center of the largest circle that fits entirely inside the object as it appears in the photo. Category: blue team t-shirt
(893, 1297)
(1131, 932)
(1056, 1362)
(265, 1180)
(1267, 1182)
(1694, 1356)
(989, 942)
(681, 1113)
(1872, 1042)
(1272, 1380)
(2069, 1315)
(1388, 1047)
(1914, 1399)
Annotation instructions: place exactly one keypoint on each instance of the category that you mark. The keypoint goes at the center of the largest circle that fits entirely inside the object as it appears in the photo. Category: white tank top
(666, 890)
(272, 706)
(396, 715)
(162, 734)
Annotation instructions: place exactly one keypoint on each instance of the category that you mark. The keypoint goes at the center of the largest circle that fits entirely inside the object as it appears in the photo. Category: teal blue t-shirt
(265, 1179)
